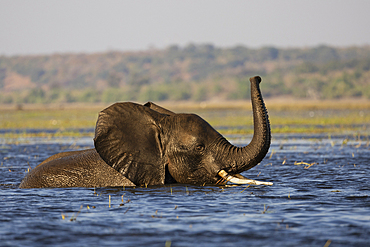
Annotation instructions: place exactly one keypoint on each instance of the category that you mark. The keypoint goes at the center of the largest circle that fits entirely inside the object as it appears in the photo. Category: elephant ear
(128, 138)
(159, 109)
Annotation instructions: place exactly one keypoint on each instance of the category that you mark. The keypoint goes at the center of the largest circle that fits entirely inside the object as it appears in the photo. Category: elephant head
(151, 145)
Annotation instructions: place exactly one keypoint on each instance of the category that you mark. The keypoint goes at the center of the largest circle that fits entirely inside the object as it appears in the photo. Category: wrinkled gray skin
(149, 145)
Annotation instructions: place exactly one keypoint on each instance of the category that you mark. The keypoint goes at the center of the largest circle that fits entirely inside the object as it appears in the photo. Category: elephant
(141, 145)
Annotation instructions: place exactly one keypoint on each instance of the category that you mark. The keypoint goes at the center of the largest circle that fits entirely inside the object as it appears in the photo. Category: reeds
(307, 165)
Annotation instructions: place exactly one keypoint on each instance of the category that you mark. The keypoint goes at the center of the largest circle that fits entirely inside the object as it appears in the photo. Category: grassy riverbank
(286, 116)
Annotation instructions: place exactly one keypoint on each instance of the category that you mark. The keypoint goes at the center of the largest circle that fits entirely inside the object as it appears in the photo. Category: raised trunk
(249, 156)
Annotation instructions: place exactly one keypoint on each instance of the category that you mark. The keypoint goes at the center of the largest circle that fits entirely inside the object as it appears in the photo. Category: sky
(87, 26)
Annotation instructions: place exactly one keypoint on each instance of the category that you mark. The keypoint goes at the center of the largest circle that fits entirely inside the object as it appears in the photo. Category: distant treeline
(193, 72)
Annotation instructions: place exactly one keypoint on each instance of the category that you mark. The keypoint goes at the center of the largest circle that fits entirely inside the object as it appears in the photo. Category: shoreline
(278, 104)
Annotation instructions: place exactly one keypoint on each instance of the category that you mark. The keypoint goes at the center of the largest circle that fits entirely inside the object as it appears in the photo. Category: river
(320, 197)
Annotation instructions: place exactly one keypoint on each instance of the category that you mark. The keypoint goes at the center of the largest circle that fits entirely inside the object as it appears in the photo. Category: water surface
(323, 200)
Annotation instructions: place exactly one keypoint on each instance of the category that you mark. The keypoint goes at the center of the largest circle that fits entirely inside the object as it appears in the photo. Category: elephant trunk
(242, 159)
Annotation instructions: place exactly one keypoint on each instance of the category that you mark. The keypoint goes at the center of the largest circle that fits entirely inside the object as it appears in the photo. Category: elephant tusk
(239, 179)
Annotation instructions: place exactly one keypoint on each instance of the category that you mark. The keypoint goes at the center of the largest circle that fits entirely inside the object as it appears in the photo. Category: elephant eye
(200, 147)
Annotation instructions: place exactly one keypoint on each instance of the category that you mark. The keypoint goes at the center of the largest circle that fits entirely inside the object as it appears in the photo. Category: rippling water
(324, 200)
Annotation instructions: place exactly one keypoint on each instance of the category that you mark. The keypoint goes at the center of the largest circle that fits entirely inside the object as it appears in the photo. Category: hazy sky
(50, 26)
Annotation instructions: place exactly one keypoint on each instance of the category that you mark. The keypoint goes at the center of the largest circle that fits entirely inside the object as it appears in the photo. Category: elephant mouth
(238, 179)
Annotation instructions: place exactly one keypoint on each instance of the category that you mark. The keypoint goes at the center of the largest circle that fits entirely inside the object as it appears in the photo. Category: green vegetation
(48, 119)
(296, 117)
(309, 81)
(194, 72)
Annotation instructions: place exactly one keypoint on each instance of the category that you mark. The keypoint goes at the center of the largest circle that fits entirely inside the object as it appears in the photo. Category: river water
(320, 197)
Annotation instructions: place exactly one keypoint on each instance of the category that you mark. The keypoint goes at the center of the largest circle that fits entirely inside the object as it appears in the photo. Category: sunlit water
(324, 200)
